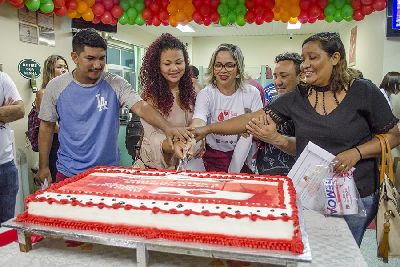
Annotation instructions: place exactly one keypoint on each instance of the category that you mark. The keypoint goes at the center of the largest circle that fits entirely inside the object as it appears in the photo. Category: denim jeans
(357, 223)
(8, 190)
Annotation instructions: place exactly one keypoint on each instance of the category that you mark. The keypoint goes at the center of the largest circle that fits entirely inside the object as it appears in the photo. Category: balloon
(108, 4)
(250, 16)
(139, 6)
(107, 17)
(303, 17)
(269, 15)
(57, 3)
(358, 15)
(259, 20)
(366, 2)
(339, 3)
(329, 19)
(117, 11)
(329, 10)
(232, 17)
(197, 17)
(62, 11)
(172, 21)
(356, 4)
(88, 15)
(146, 13)
(347, 11)
(123, 19)
(223, 10)
(124, 4)
(205, 10)
(207, 21)
(312, 20)
(348, 18)
(163, 15)
(32, 5)
(82, 7)
(72, 5)
(240, 20)
(139, 20)
(224, 21)
(98, 9)
(96, 20)
(90, 3)
(156, 21)
(47, 7)
(338, 16)
(155, 8)
(379, 5)
(314, 12)
(305, 4)
(322, 3)
(232, 4)
(366, 10)
(72, 14)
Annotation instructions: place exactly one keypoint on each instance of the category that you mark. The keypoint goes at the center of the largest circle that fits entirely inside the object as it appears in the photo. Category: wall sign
(28, 68)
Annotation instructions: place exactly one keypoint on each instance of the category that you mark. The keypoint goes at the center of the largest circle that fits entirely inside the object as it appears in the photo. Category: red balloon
(58, 3)
(321, 16)
(268, 15)
(197, 17)
(116, 2)
(60, 11)
(206, 2)
(164, 3)
(163, 15)
(358, 15)
(107, 17)
(259, 20)
(366, 10)
(214, 3)
(155, 7)
(207, 21)
(147, 2)
(314, 12)
(366, 2)
(165, 22)
(379, 5)
(322, 3)
(156, 21)
(258, 2)
(250, 4)
(72, 5)
(269, 4)
(250, 16)
(205, 10)
(312, 19)
(303, 17)
(108, 4)
(98, 9)
(305, 4)
(96, 20)
(356, 4)
(146, 14)
(197, 3)
(117, 11)
(114, 21)
(214, 17)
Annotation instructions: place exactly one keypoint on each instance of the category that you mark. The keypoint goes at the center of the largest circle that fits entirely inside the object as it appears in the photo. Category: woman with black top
(335, 111)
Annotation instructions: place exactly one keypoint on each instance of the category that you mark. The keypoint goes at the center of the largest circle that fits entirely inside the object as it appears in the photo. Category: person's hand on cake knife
(183, 150)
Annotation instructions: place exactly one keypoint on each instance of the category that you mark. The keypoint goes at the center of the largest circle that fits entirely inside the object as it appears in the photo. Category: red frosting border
(25, 217)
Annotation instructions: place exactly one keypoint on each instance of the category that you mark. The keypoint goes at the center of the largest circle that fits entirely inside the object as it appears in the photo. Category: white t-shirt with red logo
(213, 106)
(7, 90)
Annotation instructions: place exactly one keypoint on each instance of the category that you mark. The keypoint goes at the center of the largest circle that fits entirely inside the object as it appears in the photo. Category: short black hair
(87, 37)
(295, 57)
(195, 71)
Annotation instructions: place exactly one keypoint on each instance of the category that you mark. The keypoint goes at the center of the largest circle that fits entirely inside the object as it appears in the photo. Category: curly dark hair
(295, 57)
(155, 86)
(331, 43)
(391, 82)
(87, 37)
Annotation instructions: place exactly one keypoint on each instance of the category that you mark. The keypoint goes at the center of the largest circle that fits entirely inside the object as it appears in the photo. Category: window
(125, 60)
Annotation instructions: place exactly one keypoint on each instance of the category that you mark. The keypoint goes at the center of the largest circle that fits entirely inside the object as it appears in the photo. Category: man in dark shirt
(270, 159)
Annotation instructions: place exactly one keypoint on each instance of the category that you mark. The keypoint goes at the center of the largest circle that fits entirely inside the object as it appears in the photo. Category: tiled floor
(368, 249)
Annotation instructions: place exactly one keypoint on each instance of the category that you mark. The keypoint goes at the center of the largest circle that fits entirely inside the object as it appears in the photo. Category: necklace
(322, 89)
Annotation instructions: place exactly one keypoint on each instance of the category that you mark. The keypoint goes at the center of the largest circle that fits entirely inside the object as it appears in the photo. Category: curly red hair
(154, 85)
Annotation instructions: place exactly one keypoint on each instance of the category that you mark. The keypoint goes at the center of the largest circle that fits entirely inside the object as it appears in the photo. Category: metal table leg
(24, 240)
(142, 255)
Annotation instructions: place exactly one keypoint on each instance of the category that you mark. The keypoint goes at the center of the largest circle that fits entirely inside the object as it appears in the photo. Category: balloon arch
(205, 12)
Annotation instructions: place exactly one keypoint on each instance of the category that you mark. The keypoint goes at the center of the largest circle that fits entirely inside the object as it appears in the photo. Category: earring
(237, 76)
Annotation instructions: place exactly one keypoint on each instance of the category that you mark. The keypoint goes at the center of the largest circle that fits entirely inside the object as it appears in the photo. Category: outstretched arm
(153, 117)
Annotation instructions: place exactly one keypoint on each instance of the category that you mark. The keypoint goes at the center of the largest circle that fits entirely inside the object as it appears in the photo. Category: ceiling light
(185, 28)
(294, 26)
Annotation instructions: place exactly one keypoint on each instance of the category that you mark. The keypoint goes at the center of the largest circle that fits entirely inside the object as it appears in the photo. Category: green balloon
(47, 7)
(347, 11)
(348, 18)
(139, 20)
(123, 19)
(45, 1)
(131, 21)
(139, 6)
(131, 13)
(131, 3)
(232, 17)
(32, 5)
(223, 10)
(240, 20)
(223, 2)
(240, 10)
(232, 4)
(224, 21)
(124, 4)
(338, 16)
(329, 10)
(241, 2)
(329, 19)
(339, 3)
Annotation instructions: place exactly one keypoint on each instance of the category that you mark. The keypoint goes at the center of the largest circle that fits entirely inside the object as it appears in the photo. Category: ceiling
(273, 28)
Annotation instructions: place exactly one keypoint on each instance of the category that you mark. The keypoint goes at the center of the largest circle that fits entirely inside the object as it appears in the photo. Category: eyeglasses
(228, 66)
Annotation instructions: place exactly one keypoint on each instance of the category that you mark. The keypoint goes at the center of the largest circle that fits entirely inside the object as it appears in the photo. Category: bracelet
(359, 152)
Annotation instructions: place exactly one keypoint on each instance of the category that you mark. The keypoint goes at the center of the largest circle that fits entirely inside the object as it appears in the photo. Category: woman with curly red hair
(166, 82)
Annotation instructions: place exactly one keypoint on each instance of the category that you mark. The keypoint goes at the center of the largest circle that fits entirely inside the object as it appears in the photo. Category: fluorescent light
(185, 28)
(295, 26)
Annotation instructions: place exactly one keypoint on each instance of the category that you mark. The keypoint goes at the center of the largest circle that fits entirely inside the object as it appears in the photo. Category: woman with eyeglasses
(226, 96)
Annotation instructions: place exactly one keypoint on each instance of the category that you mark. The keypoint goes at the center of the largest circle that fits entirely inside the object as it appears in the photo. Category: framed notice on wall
(353, 44)
(28, 33)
